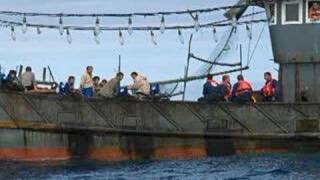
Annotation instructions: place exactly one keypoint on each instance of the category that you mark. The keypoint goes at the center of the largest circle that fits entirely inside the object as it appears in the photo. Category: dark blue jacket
(210, 91)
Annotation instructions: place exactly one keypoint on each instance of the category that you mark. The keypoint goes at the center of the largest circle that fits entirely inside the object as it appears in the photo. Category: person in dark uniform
(210, 90)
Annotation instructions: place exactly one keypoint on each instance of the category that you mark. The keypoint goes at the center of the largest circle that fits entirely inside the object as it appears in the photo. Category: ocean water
(266, 166)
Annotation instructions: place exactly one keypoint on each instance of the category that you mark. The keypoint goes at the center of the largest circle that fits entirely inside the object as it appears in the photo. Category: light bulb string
(203, 10)
(6, 23)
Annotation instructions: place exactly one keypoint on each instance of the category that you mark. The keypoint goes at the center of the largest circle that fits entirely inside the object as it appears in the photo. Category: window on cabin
(313, 10)
(291, 12)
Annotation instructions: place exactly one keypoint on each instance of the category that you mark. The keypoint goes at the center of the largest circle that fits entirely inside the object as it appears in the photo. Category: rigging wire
(204, 10)
(250, 39)
(137, 28)
(255, 47)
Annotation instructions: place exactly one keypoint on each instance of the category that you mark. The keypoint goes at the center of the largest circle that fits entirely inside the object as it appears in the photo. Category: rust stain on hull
(117, 154)
(35, 154)
(180, 153)
(114, 154)
(111, 154)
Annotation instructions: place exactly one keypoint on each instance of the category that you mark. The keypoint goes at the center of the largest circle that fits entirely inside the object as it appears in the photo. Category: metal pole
(187, 68)
(119, 63)
(20, 71)
(214, 63)
(44, 74)
(51, 74)
(241, 57)
(193, 78)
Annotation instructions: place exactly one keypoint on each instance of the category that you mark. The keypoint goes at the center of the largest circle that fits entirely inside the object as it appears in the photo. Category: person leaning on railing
(96, 82)
(242, 91)
(140, 86)
(110, 89)
(12, 82)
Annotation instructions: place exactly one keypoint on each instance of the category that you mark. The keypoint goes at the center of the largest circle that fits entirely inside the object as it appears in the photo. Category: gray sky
(164, 61)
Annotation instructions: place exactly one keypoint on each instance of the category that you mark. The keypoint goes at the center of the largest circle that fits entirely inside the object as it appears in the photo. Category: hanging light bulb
(61, 26)
(162, 25)
(130, 30)
(96, 37)
(24, 24)
(121, 39)
(38, 30)
(249, 33)
(69, 38)
(97, 27)
(215, 37)
(13, 34)
(153, 38)
(181, 38)
(196, 22)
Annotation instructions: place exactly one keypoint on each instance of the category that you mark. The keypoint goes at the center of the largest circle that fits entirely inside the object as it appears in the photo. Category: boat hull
(50, 127)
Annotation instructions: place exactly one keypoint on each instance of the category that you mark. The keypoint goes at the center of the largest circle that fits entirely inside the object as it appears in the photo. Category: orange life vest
(269, 89)
(243, 86)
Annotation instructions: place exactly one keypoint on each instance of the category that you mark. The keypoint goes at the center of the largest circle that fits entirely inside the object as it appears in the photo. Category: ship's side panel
(60, 128)
(17, 144)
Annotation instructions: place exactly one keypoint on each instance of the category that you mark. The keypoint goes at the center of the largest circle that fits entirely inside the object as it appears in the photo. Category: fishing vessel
(37, 127)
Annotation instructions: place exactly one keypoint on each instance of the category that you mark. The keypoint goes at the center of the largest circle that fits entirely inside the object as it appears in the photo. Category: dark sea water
(267, 166)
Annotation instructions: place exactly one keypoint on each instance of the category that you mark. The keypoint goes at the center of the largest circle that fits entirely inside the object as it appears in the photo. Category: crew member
(28, 79)
(69, 86)
(140, 86)
(96, 81)
(314, 12)
(226, 88)
(86, 83)
(210, 90)
(12, 82)
(110, 89)
(269, 89)
(102, 83)
(242, 90)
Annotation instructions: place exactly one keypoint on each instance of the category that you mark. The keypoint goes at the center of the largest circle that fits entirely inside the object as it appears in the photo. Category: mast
(187, 68)
(119, 63)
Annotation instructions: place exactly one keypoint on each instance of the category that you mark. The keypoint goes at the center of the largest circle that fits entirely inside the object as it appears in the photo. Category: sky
(164, 61)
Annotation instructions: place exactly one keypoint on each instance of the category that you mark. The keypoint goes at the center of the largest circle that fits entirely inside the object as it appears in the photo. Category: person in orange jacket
(242, 91)
(268, 91)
